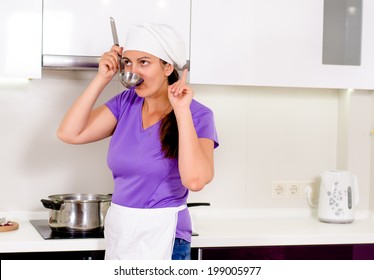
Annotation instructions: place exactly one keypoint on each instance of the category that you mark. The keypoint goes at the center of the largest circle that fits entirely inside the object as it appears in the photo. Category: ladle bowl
(129, 79)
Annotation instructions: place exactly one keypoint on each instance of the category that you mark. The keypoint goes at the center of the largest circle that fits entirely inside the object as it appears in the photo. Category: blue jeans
(181, 250)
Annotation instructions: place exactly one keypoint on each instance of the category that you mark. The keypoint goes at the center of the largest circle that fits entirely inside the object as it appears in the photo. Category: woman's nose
(128, 67)
(133, 68)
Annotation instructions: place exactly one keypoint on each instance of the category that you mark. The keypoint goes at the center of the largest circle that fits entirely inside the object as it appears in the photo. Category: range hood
(78, 62)
(70, 62)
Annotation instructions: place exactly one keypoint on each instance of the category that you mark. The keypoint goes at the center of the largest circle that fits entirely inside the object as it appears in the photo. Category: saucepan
(77, 213)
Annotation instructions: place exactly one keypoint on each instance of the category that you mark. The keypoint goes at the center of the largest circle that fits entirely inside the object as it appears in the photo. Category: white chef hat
(160, 40)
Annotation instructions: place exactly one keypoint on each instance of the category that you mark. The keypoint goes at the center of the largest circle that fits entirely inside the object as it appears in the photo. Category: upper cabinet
(242, 42)
(82, 28)
(273, 43)
(21, 39)
(221, 41)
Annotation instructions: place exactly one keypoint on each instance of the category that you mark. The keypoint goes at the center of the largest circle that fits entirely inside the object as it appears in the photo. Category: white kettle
(338, 196)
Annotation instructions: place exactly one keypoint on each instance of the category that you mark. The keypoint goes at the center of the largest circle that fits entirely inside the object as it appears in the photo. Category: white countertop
(216, 228)
(271, 227)
(27, 239)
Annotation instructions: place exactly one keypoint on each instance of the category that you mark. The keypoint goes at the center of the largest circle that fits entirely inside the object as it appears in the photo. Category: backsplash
(266, 134)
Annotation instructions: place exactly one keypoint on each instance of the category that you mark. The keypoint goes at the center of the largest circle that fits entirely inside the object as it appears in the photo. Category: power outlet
(278, 189)
(290, 189)
(293, 189)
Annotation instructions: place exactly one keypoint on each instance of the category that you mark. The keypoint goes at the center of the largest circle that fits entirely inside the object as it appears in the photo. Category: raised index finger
(184, 76)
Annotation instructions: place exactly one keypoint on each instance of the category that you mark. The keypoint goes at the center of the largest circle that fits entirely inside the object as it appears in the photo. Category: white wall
(266, 134)
(34, 163)
(355, 150)
(371, 194)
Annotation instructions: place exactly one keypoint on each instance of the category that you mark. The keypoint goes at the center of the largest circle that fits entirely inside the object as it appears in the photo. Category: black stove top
(47, 233)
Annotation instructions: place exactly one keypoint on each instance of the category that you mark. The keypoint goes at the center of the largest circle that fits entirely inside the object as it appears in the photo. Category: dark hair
(169, 129)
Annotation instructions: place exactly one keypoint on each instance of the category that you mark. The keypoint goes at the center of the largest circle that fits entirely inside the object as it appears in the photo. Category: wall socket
(290, 189)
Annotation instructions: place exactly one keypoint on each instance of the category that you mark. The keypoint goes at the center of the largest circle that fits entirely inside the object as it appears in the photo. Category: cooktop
(47, 233)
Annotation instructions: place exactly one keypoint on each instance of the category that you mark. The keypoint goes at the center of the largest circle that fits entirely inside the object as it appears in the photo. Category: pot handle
(194, 204)
(55, 205)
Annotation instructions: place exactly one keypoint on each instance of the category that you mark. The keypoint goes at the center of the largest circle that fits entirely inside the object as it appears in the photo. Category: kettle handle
(356, 192)
(309, 190)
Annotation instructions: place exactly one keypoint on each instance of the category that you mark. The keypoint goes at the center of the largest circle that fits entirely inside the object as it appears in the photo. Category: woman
(161, 147)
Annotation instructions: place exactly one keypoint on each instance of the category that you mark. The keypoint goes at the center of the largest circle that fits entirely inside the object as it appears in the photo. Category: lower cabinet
(306, 252)
(71, 255)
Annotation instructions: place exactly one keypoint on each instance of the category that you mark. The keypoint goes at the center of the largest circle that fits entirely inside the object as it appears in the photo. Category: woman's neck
(154, 110)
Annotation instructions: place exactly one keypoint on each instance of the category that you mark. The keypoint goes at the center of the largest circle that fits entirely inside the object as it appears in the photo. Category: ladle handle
(115, 41)
(114, 31)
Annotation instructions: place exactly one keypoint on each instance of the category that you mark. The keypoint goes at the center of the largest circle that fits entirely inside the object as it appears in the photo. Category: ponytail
(169, 135)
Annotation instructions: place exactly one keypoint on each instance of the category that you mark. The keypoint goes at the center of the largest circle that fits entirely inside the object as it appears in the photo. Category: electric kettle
(338, 196)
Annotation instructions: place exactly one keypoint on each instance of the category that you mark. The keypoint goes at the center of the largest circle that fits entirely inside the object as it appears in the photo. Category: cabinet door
(82, 27)
(272, 43)
(251, 42)
(21, 38)
(220, 41)
(288, 45)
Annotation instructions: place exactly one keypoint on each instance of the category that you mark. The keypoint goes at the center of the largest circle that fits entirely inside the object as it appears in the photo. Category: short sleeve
(203, 119)
(119, 103)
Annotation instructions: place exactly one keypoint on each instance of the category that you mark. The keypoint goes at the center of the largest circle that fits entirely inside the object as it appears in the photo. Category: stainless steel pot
(77, 212)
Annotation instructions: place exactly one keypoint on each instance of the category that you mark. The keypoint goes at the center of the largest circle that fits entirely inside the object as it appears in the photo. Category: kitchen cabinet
(221, 44)
(304, 252)
(82, 28)
(62, 255)
(272, 43)
(21, 39)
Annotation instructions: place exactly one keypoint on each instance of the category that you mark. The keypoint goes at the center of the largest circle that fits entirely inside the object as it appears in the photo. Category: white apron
(140, 234)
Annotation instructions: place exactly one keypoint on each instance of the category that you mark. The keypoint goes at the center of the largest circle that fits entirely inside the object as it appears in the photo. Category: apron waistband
(164, 209)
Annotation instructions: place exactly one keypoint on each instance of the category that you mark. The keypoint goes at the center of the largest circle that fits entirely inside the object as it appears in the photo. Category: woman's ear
(168, 69)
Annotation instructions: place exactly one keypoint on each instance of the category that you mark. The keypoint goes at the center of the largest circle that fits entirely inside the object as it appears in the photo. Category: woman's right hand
(109, 63)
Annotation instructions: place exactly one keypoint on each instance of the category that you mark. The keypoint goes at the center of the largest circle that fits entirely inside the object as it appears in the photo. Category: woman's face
(151, 69)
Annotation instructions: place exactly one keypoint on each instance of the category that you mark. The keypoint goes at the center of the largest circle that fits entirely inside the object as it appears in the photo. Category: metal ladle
(128, 79)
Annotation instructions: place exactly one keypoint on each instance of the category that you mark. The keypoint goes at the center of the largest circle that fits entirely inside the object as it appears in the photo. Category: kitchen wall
(371, 195)
(266, 134)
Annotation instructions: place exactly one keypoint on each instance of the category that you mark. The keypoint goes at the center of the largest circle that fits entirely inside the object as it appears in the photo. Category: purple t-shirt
(143, 177)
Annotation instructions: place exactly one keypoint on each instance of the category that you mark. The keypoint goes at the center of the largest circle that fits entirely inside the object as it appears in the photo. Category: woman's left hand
(180, 94)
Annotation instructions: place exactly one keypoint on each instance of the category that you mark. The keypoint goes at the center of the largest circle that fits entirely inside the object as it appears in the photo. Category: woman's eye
(144, 62)
(127, 62)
